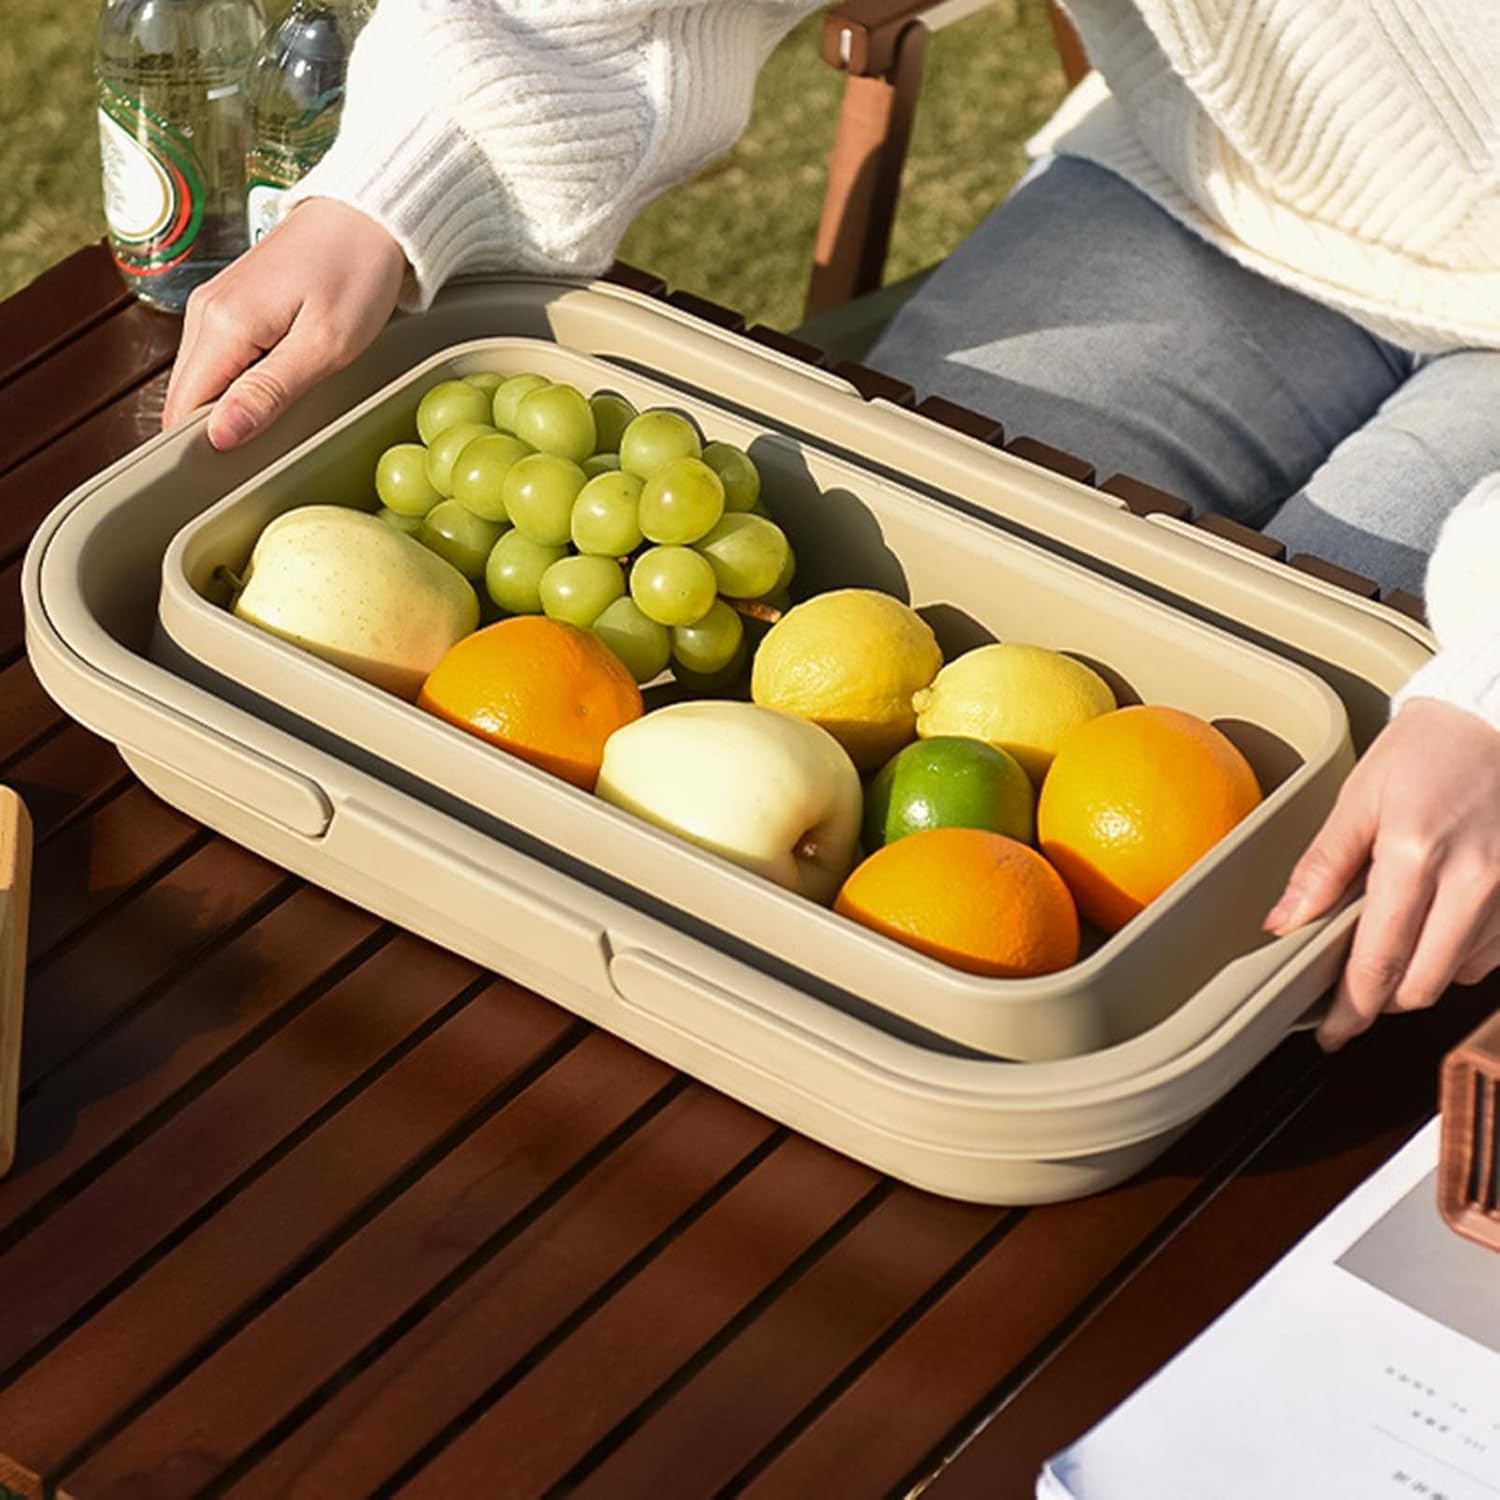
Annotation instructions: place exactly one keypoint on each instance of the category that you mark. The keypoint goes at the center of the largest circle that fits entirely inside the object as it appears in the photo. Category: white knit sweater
(1347, 148)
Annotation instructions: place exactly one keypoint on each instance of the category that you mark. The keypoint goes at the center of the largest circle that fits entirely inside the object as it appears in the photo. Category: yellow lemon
(1021, 699)
(850, 661)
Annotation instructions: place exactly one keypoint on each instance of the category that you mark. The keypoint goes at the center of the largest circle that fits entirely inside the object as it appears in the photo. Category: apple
(777, 795)
(351, 589)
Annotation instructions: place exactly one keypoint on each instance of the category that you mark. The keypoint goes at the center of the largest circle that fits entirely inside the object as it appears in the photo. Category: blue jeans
(1082, 314)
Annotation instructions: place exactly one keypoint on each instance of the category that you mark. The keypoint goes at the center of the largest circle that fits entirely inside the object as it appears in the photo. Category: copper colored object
(1469, 1165)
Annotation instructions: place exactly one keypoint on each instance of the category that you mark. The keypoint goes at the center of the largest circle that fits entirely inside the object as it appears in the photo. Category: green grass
(741, 232)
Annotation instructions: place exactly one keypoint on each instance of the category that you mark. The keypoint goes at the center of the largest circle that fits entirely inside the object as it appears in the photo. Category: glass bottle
(171, 77)
(296, 95)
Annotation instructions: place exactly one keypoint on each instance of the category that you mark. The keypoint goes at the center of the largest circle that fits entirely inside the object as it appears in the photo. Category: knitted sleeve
(524, 135)
(1463, 600)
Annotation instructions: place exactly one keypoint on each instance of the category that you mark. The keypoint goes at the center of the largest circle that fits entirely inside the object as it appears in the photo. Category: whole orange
(974, 899)
(1133, 799)
(548, 692)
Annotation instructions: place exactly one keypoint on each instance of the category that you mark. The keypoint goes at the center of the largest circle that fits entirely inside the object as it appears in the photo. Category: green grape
(448, 404)
(612, 415)
(579, 589)
(639, 642)
(681, 502)
(513, 572)
(539, 492)
(784, 578)
(488, 381)
(737, 471)
(601, 463)
(655, 438)
(479, 474)
(673, 585)
(748, 554)
(605, 519)
(508, 396)
(557, 420)
(459, 536)
(710, 645)
(728, 681)
(401, 480)
(397, 521)
(443, 454)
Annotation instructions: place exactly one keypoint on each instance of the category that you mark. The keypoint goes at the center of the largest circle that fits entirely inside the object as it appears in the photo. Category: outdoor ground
(741, 232)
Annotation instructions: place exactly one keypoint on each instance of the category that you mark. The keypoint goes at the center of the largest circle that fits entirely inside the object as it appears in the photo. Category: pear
(345, 586)
(775, 794)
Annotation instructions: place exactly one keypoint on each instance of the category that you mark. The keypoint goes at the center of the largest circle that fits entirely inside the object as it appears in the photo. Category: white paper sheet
(1364, 1366)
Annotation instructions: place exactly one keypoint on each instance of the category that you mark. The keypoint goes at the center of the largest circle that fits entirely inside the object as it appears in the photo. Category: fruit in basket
(737, 473)
(401, 480)
(539, 492)
(612, 415)
(681, 502)
(447, 404)
(673, 585)
(643, 645)
(479, 474)
(710, 645)
(460, 537)
(606, 515)
(509, 395)
(514, 570)
(655, 439)
(773, 793)
(444, 450)
(544, 690)
(579, 589)
(1022, 699)
(849, 661)
(949, 782)
(1133, 799)
(348, 587)
(557, 419)
(749, 555)
(974, 899)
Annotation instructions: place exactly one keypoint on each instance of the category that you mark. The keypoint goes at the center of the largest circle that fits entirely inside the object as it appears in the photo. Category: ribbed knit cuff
(1467, 676)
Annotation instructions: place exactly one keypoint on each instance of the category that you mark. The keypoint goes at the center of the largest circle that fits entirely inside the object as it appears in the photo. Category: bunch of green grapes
(585, 510)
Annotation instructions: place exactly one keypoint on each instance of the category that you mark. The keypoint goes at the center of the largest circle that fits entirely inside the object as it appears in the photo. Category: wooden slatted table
(304, 1206)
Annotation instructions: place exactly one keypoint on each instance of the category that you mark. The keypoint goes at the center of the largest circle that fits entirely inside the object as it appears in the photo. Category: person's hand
(309, 297)
(1422, 810)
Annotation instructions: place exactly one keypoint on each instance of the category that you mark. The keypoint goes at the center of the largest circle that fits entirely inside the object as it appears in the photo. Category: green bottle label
(153, 186)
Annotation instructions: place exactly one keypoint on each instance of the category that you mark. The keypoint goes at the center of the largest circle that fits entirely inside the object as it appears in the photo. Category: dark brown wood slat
(786, 343)
(1145, 499)
(1242, 536)
(26, 712)
(81, 377)
(12, 621)
(59, 305)
(962, 419)
(710, 312)
(88, 1105)
(1382, 1091)
(1407, 603)
(64, 775)
(17, 1483)
(529, 1439)
(780, 1363)
(282, 1219)
(147, 938)
(304, 1339)
(424, 1382)
(873, 384)
(95, 860)
(101, 1231)
(637, 280)
(30, 490)
(961, 1348)
(1344, 578)
(1045, 456)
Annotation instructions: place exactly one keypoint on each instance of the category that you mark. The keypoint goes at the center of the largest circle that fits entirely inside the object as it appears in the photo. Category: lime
(949, 782)
(849, 661)
(1021, 699)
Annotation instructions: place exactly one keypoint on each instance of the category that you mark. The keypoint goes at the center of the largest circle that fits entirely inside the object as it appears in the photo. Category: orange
(548, 692)
(972, 898)
(1133, 799)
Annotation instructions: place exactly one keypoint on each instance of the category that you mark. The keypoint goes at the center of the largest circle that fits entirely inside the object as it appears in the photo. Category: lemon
(1022, 699)
(850, 661)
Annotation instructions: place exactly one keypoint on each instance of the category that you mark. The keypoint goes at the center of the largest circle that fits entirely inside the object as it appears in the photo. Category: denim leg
(1082, 314)
(1377, 502)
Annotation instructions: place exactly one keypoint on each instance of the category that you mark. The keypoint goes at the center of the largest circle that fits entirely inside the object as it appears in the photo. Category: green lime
(949, 782)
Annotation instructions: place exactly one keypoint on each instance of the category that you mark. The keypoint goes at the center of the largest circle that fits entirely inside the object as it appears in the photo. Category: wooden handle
(15, 891)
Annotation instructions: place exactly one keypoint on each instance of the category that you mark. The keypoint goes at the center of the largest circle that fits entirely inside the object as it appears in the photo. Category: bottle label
(153, 186)
(263, 208)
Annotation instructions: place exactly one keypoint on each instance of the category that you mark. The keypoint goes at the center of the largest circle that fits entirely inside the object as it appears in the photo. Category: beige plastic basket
(843, 1072)
(849, 527)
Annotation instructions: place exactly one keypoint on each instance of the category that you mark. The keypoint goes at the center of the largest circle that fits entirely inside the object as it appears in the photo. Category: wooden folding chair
(880, 44)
